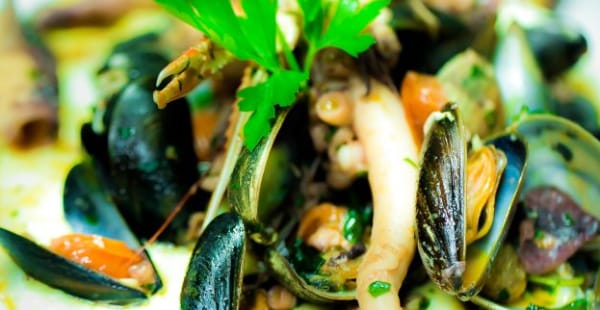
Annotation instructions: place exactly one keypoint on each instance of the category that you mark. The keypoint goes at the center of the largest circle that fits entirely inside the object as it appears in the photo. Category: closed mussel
(465, 204)
(151, 156)
(214, 276)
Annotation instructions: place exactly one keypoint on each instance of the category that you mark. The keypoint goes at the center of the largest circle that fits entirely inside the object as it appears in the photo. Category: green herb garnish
(252, 36)
(353, 227)
(568, 219)
(305, 259)
(411, 162)
(538, 234)
(424, 303)
(504, 295)
(378, 288)
(555, 281)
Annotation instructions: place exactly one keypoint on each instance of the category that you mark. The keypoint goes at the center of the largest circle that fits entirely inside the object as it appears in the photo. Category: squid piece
(381, 125)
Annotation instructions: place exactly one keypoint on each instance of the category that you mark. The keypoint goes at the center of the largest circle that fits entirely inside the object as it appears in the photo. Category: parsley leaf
(287, 84)
(279, 89)
(348, 22)
(345, 26)
(260, 24)
(251, 35)
(315, 12)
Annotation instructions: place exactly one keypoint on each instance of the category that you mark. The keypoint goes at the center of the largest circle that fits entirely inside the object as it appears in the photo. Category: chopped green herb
(476, 72)
(424, 303)
(362, 174)
(538, 234)
(555, 281)
(568, 219)
(411, 162)
(490, 118)
(353, 227)
(125, 132)
(503, 295)
(531, 213)
(305, 259)
(149, 166)
(329, 134)
(378, 288)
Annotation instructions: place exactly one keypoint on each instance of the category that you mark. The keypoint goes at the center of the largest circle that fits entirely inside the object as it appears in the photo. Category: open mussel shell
(287, 275)
(59, 272)
(89, 209)
(519, 76)
(566, 157)
(214, 276)
(243, 197)
(441, 206)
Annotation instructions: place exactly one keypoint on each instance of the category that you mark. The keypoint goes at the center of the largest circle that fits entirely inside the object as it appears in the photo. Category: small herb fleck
(424, 303)
(568, 219)
(477, 72)
(538, 234)
(411, 162)
(490, 118)
(531, 213)
(126, 132)
(353, 227)
(171, 152)
(503, 295)
(149, 166)
(378, 288)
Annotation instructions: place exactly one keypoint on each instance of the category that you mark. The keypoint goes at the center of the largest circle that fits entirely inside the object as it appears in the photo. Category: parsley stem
(289, 56)
(310, 57)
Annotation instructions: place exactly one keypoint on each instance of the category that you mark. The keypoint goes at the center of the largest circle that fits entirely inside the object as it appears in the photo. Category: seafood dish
(299, 154)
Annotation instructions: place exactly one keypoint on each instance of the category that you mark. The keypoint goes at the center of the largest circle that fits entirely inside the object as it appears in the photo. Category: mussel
(560, 191)
(519, 76)
(151, 157)
(90, 211)
(214, 276)
(566, 157)
(468, 79)
(442, 206)
(146, 152)
(243, 196)
(554, 40)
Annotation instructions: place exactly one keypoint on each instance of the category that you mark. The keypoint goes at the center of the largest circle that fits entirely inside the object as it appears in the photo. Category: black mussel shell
(152, 160)
(214, 276)
(441, 206)
(59, 272)
(441, 201)
(89, 209)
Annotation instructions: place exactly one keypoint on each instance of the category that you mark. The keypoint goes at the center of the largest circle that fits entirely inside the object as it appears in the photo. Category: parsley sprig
(252, 36)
